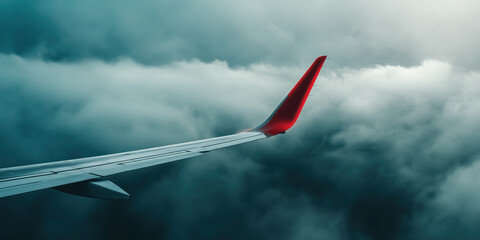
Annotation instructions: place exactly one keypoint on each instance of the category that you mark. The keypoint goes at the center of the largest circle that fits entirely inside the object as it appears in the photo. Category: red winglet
(289, 109)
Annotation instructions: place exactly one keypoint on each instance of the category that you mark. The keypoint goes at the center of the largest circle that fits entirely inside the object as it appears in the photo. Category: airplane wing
(86, 176)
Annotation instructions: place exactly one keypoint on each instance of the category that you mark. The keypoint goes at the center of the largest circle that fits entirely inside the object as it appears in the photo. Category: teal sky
(353, 33)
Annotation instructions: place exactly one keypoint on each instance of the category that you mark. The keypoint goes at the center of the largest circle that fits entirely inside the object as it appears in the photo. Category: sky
(387, 146)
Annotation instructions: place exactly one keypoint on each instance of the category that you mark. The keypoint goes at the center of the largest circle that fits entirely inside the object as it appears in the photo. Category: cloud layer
(384, 152)
(360, 33)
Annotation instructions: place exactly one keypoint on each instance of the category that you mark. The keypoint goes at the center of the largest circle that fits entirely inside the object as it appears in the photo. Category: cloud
(452, 211)
(355, 34)
(377, 153)
(55, 101)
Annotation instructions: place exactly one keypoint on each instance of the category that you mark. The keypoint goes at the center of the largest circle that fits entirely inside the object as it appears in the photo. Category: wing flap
(41, 182)
(129, 166)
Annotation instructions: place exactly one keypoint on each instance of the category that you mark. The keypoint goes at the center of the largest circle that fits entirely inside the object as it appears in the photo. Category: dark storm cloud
(378, 153)
(454, 211)
(355, 33)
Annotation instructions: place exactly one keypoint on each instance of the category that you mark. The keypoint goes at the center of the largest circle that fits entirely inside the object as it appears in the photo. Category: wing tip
(286, 114)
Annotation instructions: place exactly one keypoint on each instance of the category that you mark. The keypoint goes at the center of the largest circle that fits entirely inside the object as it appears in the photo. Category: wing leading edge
(85, 176)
